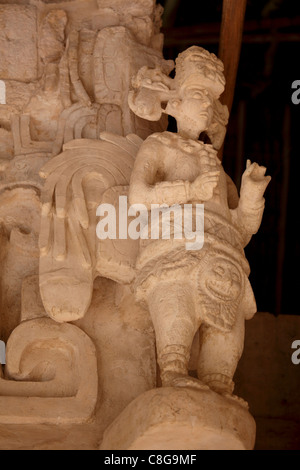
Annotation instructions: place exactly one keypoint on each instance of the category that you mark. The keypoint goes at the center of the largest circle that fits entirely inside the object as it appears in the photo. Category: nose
(205, 104)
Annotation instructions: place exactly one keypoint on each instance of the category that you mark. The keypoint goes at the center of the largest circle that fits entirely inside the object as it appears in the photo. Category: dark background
(264, 127)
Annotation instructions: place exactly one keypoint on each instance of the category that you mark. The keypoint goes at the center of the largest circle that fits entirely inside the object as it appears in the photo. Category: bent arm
(147, 185)
(248, 215)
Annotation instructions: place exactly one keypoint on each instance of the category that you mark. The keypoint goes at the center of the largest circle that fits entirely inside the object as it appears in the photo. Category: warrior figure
(205, 290)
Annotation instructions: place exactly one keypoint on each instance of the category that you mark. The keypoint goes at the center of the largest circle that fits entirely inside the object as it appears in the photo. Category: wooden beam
(170, 12)
(233, 18)
(252, 28)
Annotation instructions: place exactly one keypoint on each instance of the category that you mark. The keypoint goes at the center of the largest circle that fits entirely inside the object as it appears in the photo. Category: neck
(188, 133)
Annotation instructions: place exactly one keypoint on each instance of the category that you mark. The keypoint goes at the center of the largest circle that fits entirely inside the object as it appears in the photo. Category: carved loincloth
(218, 274)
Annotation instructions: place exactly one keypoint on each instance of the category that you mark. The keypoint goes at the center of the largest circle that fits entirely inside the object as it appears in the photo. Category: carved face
(195, 109)
(221, 280)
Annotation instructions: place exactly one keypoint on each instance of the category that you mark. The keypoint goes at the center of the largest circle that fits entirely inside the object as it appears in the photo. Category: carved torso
(182, 159)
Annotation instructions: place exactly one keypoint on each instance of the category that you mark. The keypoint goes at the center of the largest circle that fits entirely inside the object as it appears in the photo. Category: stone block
(18, 43)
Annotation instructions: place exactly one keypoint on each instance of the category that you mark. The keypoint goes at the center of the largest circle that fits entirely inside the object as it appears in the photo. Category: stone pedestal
(181, 419)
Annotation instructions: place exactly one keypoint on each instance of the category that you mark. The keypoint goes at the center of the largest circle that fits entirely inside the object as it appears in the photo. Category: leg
(174, 319)
(219, 356)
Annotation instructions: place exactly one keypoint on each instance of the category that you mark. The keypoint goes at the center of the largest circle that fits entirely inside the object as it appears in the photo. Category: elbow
(139, 195)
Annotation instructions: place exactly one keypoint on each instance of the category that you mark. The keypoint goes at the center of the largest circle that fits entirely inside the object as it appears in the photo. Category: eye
(197, 95)
(219, 270)
(211, 74)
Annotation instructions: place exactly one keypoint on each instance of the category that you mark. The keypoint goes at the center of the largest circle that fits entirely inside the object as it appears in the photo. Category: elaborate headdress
(197, 66)
(194, 67)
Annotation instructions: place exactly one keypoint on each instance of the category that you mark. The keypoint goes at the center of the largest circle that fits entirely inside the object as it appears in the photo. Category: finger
(208, 156)
(248, 164)
(262, 170)
(206, 176)
(214, 171)
(211, 182)
(207, 162)
(258, 172)
(203, 153)
(211, 174)
(214, 176)
(214, 158)
(208, 159)
(268, 179)
(209, 169)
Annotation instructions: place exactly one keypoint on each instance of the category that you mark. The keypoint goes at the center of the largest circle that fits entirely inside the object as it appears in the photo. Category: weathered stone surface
(95, 324)
(18, 43)
(201, 285)
(185, 419)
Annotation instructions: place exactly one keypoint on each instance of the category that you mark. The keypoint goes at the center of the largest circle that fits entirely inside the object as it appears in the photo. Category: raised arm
(251, 206)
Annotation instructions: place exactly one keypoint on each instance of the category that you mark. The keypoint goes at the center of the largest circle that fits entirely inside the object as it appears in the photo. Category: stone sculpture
(83, 121)
(209, 288)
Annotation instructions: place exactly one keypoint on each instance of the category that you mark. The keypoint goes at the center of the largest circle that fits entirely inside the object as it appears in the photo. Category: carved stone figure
(72, 82)
(206, 288)
(83, 121)
(68, 83)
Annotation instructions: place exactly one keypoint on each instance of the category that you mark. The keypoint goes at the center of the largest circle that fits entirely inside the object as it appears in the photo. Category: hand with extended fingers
(254, 182)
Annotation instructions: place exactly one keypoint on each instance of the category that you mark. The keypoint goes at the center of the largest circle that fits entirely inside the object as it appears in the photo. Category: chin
(202, 124)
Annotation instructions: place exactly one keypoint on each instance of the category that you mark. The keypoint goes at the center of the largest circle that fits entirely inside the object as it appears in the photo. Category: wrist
(251, 204)
(172, 192)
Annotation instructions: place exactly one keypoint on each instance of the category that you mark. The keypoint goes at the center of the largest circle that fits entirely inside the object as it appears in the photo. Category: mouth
(203, 116)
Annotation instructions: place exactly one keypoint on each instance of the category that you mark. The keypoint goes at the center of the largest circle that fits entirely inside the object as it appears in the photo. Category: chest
(182, 165)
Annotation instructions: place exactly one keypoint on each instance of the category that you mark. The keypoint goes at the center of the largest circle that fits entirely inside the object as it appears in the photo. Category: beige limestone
(18, 43)
(173, 419)
(206, 289)
(2, 92)
(46, 360)
(73, 49)
(94, 327)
